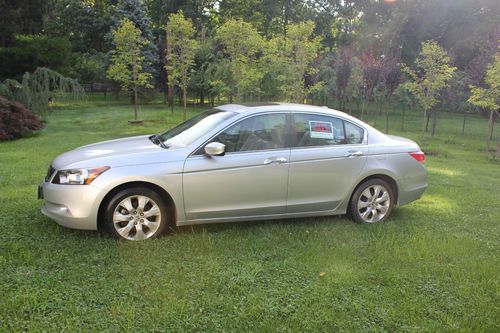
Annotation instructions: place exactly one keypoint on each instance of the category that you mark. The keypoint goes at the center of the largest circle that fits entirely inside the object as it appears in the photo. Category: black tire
(357, 214)
(161, 221)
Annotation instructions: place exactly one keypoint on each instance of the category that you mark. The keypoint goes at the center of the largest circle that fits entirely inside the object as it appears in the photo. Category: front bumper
(72, 206)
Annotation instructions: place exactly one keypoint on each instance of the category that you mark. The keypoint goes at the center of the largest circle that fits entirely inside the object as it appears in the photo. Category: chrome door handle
(354, 153)
(278, 160)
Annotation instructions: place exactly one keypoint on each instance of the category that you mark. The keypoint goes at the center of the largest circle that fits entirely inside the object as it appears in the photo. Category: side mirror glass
(215, 149)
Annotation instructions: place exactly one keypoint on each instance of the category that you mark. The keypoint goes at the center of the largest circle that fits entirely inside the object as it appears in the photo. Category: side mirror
(215, 149)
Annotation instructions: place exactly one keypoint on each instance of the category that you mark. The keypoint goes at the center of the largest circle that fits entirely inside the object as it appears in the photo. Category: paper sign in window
(321, 130)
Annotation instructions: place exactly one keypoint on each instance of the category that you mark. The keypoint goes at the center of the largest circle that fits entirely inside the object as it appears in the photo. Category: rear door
(327, 155)
(249, 180)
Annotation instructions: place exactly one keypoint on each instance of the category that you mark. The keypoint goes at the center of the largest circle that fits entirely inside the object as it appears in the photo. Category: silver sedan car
(235, 163)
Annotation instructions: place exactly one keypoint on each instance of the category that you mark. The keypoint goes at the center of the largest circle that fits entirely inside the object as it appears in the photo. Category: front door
(249, 180)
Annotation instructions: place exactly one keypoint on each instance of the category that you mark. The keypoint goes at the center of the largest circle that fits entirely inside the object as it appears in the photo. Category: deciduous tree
(242, 44)
(433, 71)
(489, 97)
(181, 51)
(126, 60)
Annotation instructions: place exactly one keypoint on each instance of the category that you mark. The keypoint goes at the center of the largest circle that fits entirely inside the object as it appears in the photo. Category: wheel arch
(388, 179)
(158, 189)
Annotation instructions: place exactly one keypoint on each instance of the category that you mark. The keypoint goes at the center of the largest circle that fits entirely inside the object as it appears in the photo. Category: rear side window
(319, 130)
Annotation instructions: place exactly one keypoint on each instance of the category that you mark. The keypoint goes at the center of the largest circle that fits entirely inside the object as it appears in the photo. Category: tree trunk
(387, 123)
(490, 130)
(434, 120)
(184, 102)
(497, 155)
(463, 123)
(202, 97)
(403, 118)
(171, 98)
(362, 108)
(135, 102)
(492, 127)
(426, 120)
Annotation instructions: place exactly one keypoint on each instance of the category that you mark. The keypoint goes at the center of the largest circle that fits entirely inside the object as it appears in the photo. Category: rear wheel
(136, 213)
(372, 201)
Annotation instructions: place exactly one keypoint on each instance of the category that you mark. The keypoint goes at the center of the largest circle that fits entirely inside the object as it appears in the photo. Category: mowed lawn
(434, 266)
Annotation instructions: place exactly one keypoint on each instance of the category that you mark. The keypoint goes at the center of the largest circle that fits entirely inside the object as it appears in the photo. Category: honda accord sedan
(235, 163)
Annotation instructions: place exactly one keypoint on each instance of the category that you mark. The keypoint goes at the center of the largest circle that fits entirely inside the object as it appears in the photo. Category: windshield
(192, 129)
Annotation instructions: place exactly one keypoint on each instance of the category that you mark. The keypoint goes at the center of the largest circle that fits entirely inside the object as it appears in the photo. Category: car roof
(292, 107)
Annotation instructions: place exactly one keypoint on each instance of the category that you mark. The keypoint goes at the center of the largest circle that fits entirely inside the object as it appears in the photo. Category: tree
(36, 90)
(181, 51)
(343, 69)
(126, 60)
(489, 97)
(32, 51)
(291, 57)
(135, 11)
(391, 78)
(242, 43)
(432, 75)
(16, 120)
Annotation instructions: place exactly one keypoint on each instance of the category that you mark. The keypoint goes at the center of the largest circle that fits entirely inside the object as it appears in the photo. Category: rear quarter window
(354, 134)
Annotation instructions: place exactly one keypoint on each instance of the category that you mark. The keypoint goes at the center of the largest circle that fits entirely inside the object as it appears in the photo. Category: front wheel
(372, 201)
(136, 214)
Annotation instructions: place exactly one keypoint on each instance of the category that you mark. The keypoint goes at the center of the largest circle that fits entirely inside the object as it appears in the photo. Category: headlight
(78, 176)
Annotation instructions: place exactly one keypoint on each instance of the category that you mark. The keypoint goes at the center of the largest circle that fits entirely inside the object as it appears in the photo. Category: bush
(16, 120)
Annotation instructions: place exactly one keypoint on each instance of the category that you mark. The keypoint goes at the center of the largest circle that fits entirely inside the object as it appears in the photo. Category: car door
(249, 180)
(327, 155)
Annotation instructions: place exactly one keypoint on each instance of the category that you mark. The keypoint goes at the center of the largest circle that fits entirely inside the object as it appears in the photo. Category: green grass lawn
(434, 266)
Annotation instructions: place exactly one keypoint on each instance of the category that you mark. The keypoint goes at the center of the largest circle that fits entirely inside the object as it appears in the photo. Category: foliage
(84, 23)
(242, 44)
(432, 75)
(36, 90)
(181, 51)
(90, 67)
(489, 97)
(32, 51)
(291, 57)
(16, 120)
(135, 11)
(126, 60)
(343, 69)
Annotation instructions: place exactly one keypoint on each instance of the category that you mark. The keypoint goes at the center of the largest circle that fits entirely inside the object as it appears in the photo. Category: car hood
(105, 151)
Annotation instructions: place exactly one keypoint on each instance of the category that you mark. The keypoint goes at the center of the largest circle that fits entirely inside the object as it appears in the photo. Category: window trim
(288, 120)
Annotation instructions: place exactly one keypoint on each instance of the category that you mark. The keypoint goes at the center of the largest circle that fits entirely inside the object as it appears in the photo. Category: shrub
(16, 120)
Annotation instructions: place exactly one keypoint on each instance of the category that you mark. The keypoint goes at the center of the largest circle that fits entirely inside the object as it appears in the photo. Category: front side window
(263, 132)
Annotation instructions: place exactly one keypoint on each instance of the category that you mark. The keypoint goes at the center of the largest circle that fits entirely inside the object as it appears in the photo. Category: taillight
(419, 156)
